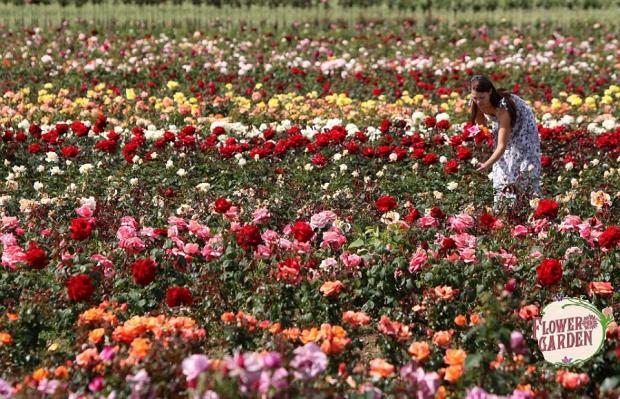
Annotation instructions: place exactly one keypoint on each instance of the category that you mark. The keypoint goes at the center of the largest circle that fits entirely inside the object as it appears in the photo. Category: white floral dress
(519, 166)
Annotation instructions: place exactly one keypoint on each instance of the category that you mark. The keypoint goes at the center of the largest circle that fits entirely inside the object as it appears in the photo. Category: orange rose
(355, 318)
(39, 374)
(96, 335)
(5, 338)
(475, 319)
(441, 393)
(275, 328)
(460, 320)
(61, 373)
(227, 317)
(600, 288)
(419, 350)
(331, 288)
(312, 335)
(380, 368)
(455, 357)
(453, 373)
(291, 333)
(12, 316)
(442, 338)
(140, 348)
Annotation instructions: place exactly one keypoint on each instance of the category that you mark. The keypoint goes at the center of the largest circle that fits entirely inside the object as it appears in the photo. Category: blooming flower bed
(297, 215)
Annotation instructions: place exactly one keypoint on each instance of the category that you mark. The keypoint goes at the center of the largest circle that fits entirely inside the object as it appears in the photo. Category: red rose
(302, 231)
(34, 148)
(222, 205)
(319, 160)
(108, 146)
(412, 216)
(62, 128)
(430, 159)
(545, 161)
(452, 166)
(486, 221)
(418, 153)
(546, 208)
(35, 256)
(437, 213)
(177, 296)
(80, 229)
(549, 271)
(35, 131)
(79, 128)
(248, 237)
(70, 151)
(385, 125)
(447, 243)
(143, 271)
(463, 153)
(386, 203)
(429, 122)
(80, 287)
(610, 237)
(443, 124)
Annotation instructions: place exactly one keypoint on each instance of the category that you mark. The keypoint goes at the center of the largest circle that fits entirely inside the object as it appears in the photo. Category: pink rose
(468, 255)
(464, 240)
(322, 219)
(262, 251)
(129, 221)
(232, 214)
(84, 211)
(418, 260)
(178, 222)
(9, 222)
(125, 233)
(428, 221)
(270, 237)
(191, 248)
(333, 238)
(519, 231)
(460, 223)
(260, 216)
(350, 260)
(570, 223)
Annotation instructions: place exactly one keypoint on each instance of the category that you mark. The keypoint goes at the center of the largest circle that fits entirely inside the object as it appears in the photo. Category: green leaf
(473, 361)
(356, 244)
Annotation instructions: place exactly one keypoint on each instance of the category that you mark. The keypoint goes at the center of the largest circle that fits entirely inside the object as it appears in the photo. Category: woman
(516, 159)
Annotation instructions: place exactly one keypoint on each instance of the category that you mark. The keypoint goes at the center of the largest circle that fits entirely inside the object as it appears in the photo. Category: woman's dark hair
(483, 84)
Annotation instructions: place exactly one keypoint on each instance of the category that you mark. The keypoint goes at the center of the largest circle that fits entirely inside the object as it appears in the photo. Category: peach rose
(419, 350)
(331, 288)
(453, 373)
(600, 288)
(455, 357)
(380, 368)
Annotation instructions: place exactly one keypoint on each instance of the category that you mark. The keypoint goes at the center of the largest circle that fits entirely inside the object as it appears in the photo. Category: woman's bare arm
(503, 135)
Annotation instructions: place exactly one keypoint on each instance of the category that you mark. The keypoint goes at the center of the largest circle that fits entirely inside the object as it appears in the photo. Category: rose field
(296, 212)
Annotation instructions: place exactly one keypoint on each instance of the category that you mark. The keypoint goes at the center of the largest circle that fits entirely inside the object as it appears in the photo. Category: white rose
(51, 157)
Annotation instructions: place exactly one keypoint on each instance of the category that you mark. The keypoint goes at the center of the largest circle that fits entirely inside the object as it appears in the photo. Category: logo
(570, 331)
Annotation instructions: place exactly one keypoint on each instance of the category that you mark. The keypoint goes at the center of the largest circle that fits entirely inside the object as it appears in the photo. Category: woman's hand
(483, 167)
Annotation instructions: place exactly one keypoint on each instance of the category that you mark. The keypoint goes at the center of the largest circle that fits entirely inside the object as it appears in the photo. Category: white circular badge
(570, 331)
